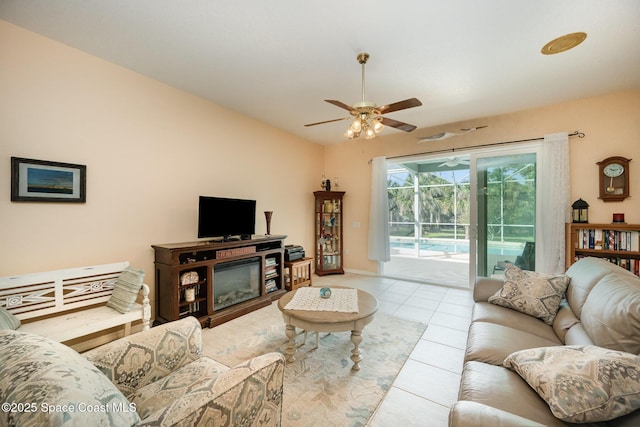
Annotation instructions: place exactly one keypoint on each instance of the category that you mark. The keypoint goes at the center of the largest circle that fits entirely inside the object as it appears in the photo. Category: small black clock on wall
(614, 179)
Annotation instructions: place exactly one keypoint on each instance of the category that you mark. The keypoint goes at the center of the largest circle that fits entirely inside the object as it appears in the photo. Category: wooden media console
(217, 281)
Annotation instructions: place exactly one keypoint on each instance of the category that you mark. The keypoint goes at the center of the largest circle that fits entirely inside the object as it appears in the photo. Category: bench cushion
(74, 324)
(60, 385)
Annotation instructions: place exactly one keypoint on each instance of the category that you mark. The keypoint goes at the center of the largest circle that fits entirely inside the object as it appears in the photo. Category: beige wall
(610, 123)
(150, 150)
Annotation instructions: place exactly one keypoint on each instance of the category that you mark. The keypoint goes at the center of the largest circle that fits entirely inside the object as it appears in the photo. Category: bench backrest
(39, 294)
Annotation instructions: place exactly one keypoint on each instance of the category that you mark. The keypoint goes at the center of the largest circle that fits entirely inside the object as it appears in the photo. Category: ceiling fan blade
(339, 104)
(439, 136)
(474, 128)
(328, 121)
(401, 105)
(396, 124)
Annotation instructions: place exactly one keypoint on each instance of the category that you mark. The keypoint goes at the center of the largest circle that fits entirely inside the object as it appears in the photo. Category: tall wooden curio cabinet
(328, 219)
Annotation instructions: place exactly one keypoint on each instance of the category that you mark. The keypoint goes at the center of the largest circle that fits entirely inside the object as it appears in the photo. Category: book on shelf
(192, 308)
(611, 240)
(270, 262)
(270, 285)
(271, 275)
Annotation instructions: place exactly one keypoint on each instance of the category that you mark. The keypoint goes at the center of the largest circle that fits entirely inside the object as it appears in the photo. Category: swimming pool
(457, 246)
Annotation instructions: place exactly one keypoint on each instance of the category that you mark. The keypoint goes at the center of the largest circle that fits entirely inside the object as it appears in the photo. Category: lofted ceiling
(276, 61)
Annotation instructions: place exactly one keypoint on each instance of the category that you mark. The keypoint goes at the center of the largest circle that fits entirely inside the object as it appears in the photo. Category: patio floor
(439, 268)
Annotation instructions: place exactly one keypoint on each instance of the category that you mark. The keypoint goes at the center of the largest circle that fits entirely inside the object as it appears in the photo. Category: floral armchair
(156, 377)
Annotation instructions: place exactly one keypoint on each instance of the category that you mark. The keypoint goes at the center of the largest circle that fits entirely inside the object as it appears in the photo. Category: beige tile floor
(427, 385)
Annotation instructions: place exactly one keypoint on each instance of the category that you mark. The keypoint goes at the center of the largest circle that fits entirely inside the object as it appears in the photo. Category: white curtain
(554, 209)
(379, 212)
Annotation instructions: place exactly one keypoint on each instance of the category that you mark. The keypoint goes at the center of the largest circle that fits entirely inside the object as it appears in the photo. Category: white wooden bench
(67, 304)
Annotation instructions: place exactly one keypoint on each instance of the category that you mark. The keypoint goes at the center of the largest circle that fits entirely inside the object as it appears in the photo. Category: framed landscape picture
(44, 181)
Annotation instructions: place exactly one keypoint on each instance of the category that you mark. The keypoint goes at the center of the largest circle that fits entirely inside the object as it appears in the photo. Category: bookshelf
(617, 243)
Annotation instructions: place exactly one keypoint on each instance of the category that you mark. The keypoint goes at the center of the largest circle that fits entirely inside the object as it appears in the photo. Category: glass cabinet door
(328, 226)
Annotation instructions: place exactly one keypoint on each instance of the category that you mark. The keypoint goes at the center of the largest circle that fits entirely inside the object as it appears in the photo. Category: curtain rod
(452, 150)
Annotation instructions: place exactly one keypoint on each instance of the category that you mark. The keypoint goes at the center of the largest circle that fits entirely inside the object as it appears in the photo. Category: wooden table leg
(356, 339)
(291, 344)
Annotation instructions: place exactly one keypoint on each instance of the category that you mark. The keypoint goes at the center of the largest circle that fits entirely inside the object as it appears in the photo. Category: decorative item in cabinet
(329, 210)
(617, 243)
(193, 292)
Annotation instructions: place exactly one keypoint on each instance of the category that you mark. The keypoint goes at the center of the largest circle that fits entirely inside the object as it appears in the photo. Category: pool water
(458, 247)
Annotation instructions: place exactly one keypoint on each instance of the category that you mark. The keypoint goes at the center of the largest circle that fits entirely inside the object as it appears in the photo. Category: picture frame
(45, 181)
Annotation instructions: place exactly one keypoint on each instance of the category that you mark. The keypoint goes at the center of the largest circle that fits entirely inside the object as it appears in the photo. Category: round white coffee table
(329, 321)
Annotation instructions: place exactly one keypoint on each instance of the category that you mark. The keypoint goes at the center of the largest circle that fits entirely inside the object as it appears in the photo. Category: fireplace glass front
(235, 282)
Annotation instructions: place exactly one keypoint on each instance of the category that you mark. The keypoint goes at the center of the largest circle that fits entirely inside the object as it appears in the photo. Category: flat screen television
(228, 219)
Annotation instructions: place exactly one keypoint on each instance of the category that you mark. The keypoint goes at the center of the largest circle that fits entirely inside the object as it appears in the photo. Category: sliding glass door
(429, 220)
(504, 192)
(452, 219)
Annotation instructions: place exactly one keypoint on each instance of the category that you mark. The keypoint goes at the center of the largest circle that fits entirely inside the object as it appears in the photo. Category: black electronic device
(225, 218)
(293, 253)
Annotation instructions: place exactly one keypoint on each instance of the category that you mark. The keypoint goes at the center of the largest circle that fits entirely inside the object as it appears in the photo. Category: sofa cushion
(565, 320)
(531, 293)
(491, 343)
(611, 314)
(8, 320)
(503, 389)
(581, 383)
(126, 289)
(585, 274)
(487, 312)
(56, 385)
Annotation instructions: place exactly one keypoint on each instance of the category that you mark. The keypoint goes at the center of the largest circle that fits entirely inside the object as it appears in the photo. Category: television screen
(226, 218)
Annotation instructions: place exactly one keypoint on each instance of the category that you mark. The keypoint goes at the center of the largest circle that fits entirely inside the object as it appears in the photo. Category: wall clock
(614, 179)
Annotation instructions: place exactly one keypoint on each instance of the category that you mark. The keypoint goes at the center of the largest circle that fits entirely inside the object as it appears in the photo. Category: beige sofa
(156, 377)
(601, 308)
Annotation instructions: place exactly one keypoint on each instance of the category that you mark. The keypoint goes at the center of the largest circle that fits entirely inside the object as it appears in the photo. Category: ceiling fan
(367, 116)
(452, 162)
(445, 135)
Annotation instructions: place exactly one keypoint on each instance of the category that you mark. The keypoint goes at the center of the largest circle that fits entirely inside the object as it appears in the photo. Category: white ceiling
(277, 60)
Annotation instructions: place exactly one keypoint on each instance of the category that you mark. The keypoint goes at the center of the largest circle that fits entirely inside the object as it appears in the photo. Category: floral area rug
(320, 388)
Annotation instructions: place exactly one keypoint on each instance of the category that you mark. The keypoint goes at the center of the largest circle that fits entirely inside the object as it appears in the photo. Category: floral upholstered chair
(156, 377)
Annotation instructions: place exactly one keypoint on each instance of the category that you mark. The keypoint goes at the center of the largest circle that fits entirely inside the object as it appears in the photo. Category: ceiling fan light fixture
(369, 133)
(378, 126)
(356, 126)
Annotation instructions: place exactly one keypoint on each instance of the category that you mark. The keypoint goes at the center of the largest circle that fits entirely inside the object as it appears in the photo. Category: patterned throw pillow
(581, 384)
(52, 385)
(126, 289)
(531, 293)
(8, 320)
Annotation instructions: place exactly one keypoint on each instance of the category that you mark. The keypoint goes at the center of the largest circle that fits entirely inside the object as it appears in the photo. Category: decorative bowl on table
(325, 292)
